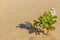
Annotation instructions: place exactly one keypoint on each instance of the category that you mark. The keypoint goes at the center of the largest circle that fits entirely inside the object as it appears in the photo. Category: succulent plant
(46, 20)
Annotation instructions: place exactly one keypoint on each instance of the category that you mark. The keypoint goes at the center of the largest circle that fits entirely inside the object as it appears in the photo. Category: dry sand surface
(14, 12)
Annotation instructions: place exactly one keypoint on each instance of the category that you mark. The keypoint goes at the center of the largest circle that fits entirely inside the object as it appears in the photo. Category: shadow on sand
(30, 28)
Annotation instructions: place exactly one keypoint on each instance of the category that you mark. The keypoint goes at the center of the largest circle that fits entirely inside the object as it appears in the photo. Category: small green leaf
(54, 17)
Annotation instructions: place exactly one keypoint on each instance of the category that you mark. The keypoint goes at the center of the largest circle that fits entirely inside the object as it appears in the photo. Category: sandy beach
(15, 12)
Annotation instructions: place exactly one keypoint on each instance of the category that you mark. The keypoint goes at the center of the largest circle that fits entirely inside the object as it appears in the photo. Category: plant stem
(47, 31)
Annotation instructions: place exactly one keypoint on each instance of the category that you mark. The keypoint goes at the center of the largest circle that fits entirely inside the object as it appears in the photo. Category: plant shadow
(30, 28)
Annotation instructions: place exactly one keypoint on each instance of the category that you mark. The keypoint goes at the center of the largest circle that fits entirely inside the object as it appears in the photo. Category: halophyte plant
(46, 20)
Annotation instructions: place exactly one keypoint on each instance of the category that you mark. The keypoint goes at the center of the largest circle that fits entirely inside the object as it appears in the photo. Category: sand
(14, 12)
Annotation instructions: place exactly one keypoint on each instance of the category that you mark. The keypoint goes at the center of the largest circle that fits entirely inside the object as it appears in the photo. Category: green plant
(46, 21)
